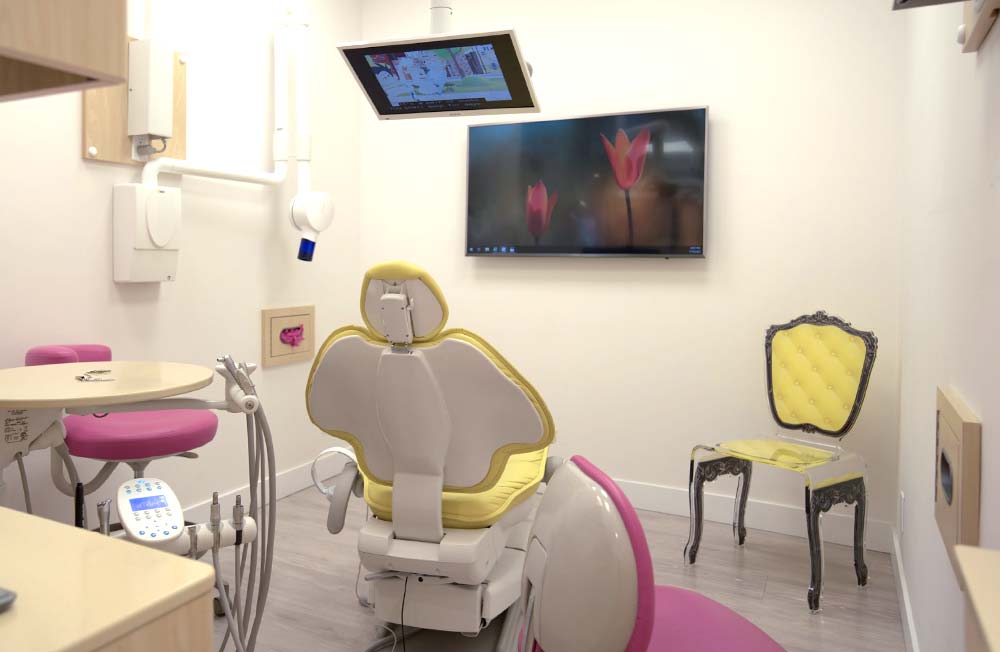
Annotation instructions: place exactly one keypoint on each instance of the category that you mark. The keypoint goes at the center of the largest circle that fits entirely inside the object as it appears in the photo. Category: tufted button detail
(801, 350)
(796, 383)
(815, 368)
(829, 387)
(846, 406)
(812, 402)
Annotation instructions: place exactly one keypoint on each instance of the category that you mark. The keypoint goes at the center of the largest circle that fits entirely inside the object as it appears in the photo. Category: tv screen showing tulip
(623, 184)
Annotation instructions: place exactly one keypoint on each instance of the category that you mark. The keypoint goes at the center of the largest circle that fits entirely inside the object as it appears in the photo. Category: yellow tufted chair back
(818, 368)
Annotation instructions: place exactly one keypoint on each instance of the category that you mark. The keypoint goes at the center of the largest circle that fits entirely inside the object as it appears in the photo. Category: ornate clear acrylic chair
(818, 367)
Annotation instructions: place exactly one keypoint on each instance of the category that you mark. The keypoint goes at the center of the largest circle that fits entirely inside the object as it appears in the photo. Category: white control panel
(149, 510)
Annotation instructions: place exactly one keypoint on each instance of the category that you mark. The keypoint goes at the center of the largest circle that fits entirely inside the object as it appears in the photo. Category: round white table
(57, 385)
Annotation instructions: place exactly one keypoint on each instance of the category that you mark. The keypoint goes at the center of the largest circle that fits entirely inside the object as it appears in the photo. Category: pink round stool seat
(689, 622)
(139, 435)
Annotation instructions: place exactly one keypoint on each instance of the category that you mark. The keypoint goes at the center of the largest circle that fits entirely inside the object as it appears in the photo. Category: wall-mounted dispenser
(147, 216)
(957, 471)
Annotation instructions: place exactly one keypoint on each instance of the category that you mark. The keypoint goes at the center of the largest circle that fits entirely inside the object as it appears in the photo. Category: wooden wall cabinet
(51, 46)
(980, 15)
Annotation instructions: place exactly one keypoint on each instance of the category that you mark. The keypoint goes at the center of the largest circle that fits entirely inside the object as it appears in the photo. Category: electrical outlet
(287, 335)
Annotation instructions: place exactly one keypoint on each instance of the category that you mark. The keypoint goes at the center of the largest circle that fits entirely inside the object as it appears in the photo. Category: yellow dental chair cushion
(815, 375)
(519, 481)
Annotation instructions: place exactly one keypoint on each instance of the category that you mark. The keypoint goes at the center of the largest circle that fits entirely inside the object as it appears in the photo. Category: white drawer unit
(149, 511)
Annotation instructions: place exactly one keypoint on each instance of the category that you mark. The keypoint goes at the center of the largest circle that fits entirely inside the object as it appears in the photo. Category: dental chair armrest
(338, 493)
(552, 462)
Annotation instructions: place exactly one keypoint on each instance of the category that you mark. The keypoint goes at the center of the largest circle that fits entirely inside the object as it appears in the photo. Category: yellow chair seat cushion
(776, 452)
(519, 481)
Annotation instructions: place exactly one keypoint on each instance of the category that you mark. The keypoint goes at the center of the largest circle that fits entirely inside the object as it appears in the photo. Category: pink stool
(133, 438)
(590, 586)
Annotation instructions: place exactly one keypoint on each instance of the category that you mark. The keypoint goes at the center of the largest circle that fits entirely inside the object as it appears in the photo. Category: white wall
(950, 307)
(641, 359)
(238, 251)
(804, 97)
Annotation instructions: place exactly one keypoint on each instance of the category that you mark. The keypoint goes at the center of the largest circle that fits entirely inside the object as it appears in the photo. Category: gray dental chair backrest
(425, 410)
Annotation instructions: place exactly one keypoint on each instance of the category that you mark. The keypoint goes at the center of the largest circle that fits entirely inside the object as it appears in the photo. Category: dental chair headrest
(401, 303)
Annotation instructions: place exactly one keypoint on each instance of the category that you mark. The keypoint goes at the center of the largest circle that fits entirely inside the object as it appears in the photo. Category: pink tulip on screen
(538, 209)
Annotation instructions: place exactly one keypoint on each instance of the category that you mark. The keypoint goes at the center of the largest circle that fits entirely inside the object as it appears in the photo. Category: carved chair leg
(815, 552)
(818, 501)
(696, 488)
(860, 568)
(698, 475)
(740, 507)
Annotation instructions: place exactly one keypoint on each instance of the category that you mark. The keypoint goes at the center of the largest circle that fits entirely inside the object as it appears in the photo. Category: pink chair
(132, 438)
(588, 582)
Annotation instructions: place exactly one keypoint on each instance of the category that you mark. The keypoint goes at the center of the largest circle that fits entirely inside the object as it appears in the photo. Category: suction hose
(244, 621)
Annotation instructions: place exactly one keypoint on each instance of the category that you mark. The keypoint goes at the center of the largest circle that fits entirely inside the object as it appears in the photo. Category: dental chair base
(448, 607)
(438, 602)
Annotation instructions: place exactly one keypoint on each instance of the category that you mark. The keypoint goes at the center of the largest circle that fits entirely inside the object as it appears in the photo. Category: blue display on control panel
(147, 502)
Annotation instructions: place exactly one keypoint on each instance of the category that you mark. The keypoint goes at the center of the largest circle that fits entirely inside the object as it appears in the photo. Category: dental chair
(132, 438)
(589, 585)
(449, 447)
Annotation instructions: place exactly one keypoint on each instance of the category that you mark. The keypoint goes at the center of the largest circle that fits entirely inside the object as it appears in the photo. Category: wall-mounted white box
(146, 223)
(150, 89)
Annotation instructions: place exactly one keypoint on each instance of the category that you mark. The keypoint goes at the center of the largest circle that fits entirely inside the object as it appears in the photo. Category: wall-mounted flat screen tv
(628, 184)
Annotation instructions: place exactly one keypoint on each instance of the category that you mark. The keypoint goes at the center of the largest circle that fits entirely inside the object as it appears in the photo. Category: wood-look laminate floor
(312, 605)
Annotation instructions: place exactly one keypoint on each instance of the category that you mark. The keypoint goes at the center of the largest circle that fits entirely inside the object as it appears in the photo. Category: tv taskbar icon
(496, 249)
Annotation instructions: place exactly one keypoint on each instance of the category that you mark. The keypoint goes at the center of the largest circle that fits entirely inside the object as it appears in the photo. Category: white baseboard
(290, 481)
(905, 607)
(761, 514)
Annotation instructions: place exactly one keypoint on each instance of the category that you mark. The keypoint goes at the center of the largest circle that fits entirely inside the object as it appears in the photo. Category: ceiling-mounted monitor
(443, 75)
